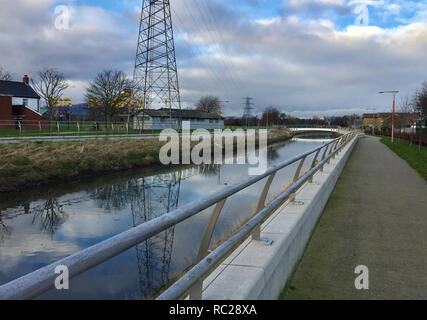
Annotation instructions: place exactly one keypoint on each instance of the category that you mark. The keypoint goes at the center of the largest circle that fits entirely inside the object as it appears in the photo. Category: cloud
(97, 39)
(301, 60)
(317, 7)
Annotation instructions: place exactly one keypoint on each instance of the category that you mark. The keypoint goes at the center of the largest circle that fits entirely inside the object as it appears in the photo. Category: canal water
(41, 226)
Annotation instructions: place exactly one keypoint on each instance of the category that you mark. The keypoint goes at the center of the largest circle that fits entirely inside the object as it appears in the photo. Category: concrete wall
(255, 271)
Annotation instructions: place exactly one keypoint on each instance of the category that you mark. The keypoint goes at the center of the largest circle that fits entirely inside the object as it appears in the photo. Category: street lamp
(220, 109)
(394, 107)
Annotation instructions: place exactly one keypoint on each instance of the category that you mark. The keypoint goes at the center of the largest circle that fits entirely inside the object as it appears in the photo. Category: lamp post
(220, 109)
(394, 108)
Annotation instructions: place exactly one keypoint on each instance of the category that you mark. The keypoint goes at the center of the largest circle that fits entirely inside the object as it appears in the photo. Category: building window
(25, 102)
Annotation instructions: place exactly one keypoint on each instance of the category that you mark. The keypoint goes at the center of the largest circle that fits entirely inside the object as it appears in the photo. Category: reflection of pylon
(149, 198)
(154, 254)
(156, 71)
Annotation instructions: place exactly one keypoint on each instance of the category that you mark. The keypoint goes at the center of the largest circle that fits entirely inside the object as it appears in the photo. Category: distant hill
(80, 109)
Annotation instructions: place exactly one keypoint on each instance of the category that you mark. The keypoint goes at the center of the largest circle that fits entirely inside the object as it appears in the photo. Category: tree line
(110, 93)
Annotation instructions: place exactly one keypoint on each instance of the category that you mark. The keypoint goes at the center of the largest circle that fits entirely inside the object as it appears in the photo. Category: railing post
(336, 147)
(256, 233)
(324, 156)
(330, 152)
(313, 164)
(207, 236)
(78, 128)
(296, 177)
(196, 289)
(298, 172)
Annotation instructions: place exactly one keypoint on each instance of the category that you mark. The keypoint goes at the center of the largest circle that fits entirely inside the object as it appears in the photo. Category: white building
(170, 118)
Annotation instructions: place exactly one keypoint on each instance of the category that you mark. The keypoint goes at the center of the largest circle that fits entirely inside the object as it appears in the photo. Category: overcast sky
(305, 57)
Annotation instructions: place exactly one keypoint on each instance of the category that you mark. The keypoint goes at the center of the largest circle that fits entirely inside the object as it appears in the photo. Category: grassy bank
(412, 154)
(31, 164)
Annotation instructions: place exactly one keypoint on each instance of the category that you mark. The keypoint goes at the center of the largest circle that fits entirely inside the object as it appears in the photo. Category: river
(41, 226)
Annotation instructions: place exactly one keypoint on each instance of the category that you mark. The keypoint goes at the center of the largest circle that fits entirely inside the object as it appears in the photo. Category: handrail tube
(40, 281)
(180, 287)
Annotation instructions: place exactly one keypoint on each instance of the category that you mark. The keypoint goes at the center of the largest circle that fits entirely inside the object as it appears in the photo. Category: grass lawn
(415, 157)
(29, 164)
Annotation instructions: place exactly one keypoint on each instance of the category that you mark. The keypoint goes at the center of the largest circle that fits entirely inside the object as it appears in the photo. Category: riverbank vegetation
(30, 164)
(414, 155)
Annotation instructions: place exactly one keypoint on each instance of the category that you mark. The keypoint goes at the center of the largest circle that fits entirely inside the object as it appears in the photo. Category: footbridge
(316, 129)
(256, 260)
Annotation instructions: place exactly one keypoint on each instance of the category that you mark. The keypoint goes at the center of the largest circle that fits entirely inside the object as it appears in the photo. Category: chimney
(26, 80)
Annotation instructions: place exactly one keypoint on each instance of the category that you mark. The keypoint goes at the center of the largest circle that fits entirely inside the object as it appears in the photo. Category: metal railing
(311, 126)
(44, 127)
(42, 280)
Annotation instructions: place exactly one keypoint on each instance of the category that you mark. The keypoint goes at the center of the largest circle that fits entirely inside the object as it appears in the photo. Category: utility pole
(394, 109)
(247, 114)
(156, 73)
(220, 108)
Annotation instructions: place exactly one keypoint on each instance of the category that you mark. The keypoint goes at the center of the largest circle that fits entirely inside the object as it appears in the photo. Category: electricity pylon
(247, 114)
(156, 73)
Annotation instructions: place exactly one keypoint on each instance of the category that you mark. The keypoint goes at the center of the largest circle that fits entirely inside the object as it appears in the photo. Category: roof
(17, 89)
(389, 114)
(191, 114)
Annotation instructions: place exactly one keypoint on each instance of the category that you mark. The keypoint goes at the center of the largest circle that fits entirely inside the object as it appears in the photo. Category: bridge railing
(42, 280)
(311, 126)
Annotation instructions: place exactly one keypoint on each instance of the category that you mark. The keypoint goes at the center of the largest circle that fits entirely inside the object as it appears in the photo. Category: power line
(213, 72)
(209, 33)
(208, 6)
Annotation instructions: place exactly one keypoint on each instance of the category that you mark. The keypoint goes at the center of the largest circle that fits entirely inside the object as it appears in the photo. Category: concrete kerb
(256, 271)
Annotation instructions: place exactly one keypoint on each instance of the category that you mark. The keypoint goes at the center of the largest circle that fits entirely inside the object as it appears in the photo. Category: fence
(32, 128)
(414, 136)
(42, 280)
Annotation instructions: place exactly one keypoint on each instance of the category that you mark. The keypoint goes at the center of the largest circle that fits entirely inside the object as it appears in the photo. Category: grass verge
(416, 157)
(30, 164)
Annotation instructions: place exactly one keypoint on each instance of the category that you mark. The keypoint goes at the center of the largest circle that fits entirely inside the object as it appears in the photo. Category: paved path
(376, 216)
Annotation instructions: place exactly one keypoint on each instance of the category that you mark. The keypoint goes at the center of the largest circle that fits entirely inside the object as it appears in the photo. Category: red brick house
(20, 105)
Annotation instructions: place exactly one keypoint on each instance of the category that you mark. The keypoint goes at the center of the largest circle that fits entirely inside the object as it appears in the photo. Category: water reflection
(5, 230)
(40, 228)
(49, 215)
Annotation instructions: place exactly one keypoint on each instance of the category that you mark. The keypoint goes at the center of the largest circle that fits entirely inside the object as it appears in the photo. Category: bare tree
(50, 85)
(407, 106)
(420, 100)
(5, 75)
(209, 104)
(271, 116)
(109, 92)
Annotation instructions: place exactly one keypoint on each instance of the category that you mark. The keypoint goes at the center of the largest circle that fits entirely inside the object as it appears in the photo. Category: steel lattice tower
(247, 112)
(156, 71)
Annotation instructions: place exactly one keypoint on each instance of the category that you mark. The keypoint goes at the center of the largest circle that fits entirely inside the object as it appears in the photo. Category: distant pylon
(156, 73)
(247, 114)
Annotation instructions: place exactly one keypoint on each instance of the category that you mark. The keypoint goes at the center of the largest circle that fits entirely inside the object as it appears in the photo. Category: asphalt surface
(376, 217)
